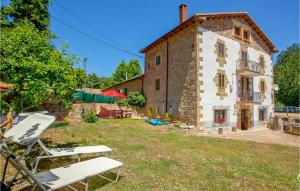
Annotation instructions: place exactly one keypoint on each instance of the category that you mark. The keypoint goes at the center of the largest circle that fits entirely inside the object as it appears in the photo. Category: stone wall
(74, 115)
(225, 28)
(156, 99)
(181, 52)
(55, 109)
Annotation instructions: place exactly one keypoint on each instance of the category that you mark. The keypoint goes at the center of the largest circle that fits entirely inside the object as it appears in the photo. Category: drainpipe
(142, 85)
(167, 77)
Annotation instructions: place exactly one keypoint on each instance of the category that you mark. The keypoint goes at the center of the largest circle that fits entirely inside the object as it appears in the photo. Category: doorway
(244, 119)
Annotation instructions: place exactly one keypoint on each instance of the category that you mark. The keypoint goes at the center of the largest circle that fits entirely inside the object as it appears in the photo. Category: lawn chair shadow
(99, 182)
(48, 141)
(26, 138)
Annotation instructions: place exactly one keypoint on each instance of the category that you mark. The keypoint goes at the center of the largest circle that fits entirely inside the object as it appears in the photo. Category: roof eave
(166, 35)
(134, 78)
(202, 17)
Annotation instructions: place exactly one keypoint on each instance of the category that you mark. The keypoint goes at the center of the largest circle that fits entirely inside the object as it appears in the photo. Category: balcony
(250, 96)
(250, 69)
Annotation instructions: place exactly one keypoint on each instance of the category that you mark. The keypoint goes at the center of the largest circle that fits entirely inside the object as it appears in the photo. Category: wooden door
(244, 120)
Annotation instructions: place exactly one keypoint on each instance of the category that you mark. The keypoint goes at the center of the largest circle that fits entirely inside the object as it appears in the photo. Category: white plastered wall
(268, 77)
(209, 99)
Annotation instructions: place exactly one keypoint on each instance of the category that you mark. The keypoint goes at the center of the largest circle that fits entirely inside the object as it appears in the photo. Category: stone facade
(221, 89)
(225, 27)
(262, 64)
(178, 66)
(55, 109)
(262, 88)
(221, 59)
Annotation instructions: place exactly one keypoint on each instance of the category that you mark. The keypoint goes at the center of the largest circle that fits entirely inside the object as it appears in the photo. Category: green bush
(136, 99)
(89, 116)
(123, 102)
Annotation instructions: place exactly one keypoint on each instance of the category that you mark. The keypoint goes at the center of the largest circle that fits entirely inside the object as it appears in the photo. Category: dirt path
(261, 135)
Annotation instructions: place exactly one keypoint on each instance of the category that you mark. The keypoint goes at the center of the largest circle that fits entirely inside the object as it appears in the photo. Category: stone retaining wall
(74, 115)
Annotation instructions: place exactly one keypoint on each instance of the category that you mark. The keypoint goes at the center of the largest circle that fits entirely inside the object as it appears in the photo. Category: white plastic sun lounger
(64, 176)
(65, 152)
(29, 130)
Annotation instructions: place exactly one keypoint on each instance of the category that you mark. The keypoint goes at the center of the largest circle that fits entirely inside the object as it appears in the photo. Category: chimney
(182, 13)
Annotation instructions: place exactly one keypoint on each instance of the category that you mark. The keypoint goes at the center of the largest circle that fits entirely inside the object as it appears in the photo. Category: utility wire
(96, 39)
(85, 23)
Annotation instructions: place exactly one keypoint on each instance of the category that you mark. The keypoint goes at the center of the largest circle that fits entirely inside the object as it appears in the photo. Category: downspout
(143, 86)
(167, 77)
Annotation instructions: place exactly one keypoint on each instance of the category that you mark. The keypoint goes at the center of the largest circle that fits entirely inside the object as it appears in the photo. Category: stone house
(212, 70)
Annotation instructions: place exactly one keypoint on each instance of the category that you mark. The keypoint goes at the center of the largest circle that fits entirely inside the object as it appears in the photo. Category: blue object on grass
(156, 122)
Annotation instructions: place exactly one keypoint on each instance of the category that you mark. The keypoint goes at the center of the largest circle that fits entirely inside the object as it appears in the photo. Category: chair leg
(34, 187)
(118, 175)
(36, 165)
(115, 180)
(87, 185)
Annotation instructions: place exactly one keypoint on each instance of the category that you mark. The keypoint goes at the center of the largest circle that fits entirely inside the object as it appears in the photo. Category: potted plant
(233, 128)
(149, 115)
(166, 117)
(220, 130)
(158, 117)
(270, 123)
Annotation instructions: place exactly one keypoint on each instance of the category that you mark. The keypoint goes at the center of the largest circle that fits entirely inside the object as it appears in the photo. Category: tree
(81, 76)
(35, 11)
(126, 71)
(120, 72)
(134, 68)
(94, 81)
(107, 82)
(286, 72)
(38, 71)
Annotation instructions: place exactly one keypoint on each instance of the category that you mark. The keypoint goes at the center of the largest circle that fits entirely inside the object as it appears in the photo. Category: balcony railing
(250, 96)
(249, 68)
(251, 65)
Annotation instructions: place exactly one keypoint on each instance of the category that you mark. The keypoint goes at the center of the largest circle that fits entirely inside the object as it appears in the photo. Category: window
(220, 116)
(157, 60)
(237, 31)
(157, 84)
(262, 61)
(244, 58)
(262, 114)
(221, 80)
(246, 35)
(250, 86)
(221, 49)
(123, 91)
(262, 86)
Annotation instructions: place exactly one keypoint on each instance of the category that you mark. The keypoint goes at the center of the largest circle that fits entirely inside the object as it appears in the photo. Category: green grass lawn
(165, 158)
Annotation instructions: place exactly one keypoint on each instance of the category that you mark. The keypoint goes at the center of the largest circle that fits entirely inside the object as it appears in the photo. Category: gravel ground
(261, 135)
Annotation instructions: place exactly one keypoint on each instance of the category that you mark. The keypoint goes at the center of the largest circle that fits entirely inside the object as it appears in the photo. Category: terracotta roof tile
(204, 16)
(5, 85)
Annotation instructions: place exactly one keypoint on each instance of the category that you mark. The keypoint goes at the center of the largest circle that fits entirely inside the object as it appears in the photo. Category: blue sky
(133, 24)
